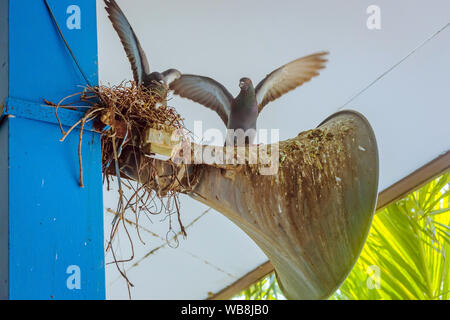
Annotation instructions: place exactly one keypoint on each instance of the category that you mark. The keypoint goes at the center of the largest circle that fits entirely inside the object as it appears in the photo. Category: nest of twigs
(125, 112)
(122, 114)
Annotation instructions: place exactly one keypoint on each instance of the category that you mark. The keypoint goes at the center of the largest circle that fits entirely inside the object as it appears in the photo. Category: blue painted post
(51, 229)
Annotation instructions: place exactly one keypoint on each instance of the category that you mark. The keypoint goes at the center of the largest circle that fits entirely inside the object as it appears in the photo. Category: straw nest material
(122, 114)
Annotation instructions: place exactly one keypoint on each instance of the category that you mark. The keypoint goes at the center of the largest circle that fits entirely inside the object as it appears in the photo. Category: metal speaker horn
(312, 218)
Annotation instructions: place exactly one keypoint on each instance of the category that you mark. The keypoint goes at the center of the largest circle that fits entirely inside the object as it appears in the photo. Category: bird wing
(130, 42)
(170, 75)
(205, 91)
(289, 77)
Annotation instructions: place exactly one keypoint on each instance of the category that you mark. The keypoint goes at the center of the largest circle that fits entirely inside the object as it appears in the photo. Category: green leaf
(409, 242)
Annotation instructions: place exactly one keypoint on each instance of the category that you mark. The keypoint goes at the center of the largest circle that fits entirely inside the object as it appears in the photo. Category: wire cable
(65, 42)
(394, 66)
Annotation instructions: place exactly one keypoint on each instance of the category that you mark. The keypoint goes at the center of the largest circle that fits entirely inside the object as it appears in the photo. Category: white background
(409, 108)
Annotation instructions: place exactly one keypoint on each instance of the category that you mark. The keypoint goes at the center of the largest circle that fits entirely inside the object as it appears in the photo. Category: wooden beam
(414, 181)
(244, 282)
(389, 195)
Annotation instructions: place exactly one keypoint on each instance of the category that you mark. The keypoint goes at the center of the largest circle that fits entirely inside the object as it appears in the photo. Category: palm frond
(409, 243)
(406, 256)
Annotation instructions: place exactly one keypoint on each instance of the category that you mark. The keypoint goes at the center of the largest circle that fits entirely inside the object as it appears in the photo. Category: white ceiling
(409, 108)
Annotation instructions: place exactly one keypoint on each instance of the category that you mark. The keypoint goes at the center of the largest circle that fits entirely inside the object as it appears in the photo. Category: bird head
(245, 83)
(156, 78)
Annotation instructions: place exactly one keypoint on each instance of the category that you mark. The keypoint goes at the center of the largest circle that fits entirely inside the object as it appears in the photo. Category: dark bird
(243, 111)
(135, 53)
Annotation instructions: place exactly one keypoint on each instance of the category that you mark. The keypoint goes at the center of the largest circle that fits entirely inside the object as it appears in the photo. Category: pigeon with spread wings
(135, 53)
(242, 112)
